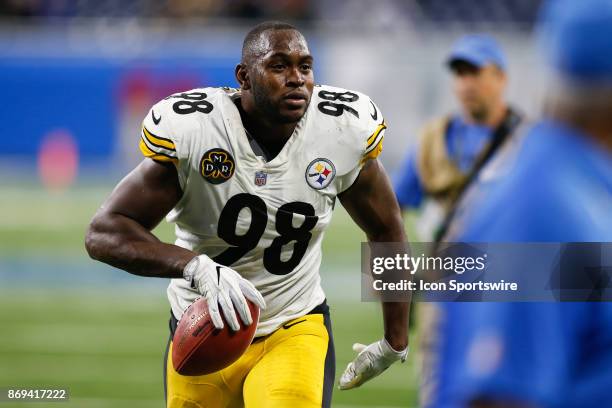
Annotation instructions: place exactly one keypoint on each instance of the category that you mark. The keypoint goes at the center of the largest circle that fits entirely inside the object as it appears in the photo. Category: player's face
(282, 79)
(478, 90)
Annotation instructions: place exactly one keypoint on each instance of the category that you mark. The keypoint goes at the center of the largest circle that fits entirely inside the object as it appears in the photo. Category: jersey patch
(320, 173)
(217, 166)
(261, 177)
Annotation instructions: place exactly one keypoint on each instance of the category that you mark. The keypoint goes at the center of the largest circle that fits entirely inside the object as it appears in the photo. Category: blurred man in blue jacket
(553, 186)
(449, 147)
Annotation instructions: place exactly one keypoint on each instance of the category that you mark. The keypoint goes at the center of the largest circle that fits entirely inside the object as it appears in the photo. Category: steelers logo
(217, 166)
(320, 173)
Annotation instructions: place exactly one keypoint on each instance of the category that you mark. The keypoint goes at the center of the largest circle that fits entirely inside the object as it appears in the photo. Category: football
(198, 348)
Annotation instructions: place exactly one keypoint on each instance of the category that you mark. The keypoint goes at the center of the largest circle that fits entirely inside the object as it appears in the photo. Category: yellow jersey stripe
(157, 149)
(373, 153)
(155, 156)
(158, 140)
(379, 129)
(375, 142)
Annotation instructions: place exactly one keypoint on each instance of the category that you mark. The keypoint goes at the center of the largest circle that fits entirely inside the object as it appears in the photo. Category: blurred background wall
(76, 79)
(83, 73)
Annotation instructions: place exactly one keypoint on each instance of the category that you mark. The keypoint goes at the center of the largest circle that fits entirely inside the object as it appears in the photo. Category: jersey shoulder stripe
(156, 147)
(376, 137)
(167, 129)
(375, 143)
(158, 141)
(154, 155)
(356, 111)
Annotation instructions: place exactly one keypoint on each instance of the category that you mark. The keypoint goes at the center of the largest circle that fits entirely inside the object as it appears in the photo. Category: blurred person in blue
(555, 185)
(451, 147)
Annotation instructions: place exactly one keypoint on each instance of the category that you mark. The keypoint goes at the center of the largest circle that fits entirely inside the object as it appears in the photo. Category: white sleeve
(369, 135)
(161, 141)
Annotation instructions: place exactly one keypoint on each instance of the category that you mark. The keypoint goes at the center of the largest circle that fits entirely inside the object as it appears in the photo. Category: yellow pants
(292, 367)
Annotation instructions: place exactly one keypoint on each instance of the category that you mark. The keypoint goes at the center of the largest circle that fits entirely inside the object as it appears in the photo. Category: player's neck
(271, 136)
(266, 132)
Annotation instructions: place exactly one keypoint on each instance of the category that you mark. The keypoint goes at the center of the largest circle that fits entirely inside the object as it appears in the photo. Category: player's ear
(242, 76)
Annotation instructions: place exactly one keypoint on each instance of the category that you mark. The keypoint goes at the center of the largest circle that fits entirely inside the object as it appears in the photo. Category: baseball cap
(478, 50)
(576, 38)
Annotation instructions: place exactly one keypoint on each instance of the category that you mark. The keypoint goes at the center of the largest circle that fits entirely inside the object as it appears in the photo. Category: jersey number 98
(228, 220)
(330, 107)
(191, 102)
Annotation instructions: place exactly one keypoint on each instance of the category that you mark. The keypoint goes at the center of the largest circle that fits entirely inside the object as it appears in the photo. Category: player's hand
(223, 286)
(370, 362)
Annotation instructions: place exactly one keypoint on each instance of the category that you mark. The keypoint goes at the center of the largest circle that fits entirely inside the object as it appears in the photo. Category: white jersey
(265, 219)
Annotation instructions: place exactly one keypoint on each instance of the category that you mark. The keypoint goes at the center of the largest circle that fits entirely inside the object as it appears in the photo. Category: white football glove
(370, 362)
(221, 285)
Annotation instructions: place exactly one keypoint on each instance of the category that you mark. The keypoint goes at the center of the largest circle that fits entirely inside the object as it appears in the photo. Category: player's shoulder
(351, 112)
(172, 124)
(185, 112)
(339, 90)
(203, 100)
(359, 105)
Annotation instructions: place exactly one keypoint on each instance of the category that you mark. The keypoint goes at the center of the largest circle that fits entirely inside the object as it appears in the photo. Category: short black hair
(252, 37)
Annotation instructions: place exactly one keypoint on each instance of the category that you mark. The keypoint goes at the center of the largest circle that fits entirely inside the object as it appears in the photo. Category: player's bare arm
(120, 232)
(371, 203)
(120, 235)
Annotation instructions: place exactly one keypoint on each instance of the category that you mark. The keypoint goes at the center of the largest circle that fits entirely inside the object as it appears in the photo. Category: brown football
(198, 348)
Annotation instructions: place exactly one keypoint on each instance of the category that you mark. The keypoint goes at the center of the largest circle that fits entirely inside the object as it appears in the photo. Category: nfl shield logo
(260, 178)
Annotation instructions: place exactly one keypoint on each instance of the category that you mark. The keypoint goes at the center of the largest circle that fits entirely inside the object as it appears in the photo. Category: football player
(250, 177)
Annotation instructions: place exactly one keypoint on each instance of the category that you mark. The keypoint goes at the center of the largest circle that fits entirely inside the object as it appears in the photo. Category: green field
(69, 322)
